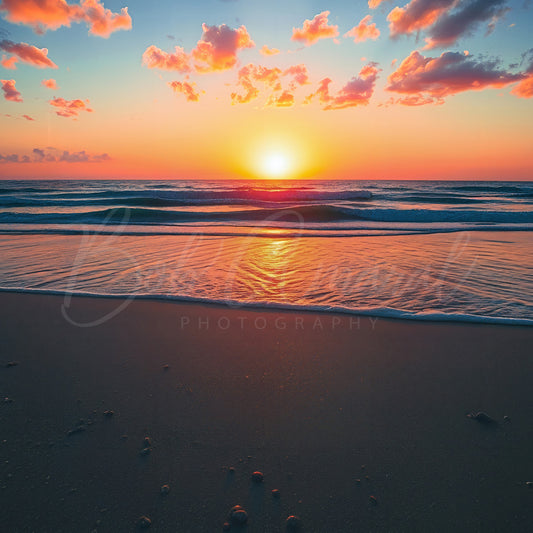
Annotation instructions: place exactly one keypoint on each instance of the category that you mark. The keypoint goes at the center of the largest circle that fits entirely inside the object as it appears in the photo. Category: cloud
(37, 57)
(285, 99)
(417, 15)
(266, 51)
(462, 20)
(215, 51)
(218, 47)
(50, 84)
(373, 4)
(44, 15)
(357, 91)
(445, 20)
(154, 57)
(272, 80)
(9, 62)
(363, 31)
(70, 108)
(51, 155)
(27, 117)
(315, 29)
(10, 91)
(430, 80)
(186, 88)
(525, 88)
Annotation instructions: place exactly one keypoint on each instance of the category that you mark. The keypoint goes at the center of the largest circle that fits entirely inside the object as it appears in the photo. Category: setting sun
(276, 165)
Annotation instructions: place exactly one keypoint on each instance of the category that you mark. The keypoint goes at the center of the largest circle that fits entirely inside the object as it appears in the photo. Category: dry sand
(305, 398)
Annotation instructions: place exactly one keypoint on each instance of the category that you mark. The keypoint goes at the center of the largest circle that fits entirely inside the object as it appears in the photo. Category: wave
(299, 214)
(374, 312)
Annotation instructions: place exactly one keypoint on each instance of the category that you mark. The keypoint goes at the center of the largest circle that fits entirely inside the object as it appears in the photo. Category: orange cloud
(364, 30)
(417, 15)
(525, 88)
(357, 91)
(430, 79)
(186, 88)
(154, 57)
(373, 4)
(10, 91)
(27, 117)
(218, 47)
(299, 72)
(9, 62)
(70, 108)
(50, 84)
(43, 15)
(285, 99)
(266, 51)
(37, 57)
(315, 29)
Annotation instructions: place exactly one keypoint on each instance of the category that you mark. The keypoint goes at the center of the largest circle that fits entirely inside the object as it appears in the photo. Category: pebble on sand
(166, 367)
(276, 493)
(10, 364)
(373, 500)
(109, 414)
(146, 451)
(481, 417)
(147, 442)
(238, 515)
(77, 429)
(529, 484)
(293, 523)
(144, 522)
(258, 477)
(226, 526)
(506, 418)
(165, 489)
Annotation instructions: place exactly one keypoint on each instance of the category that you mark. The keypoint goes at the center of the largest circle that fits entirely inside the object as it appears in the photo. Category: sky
(378, 89)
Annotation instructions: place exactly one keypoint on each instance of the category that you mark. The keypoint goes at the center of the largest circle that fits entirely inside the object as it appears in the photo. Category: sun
(276, 165)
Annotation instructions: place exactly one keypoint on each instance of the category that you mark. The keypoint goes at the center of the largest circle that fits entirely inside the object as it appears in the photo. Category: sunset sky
(379, 89)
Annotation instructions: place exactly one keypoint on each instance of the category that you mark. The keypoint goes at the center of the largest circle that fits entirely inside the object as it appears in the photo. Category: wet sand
(307, 399)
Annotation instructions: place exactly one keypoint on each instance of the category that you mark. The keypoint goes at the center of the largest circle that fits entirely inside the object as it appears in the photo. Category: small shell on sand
(276, 493)
(258, 477)
(373, 500)
(166, 367)
(165, 489)
(506, 418)
(146, 451)
(10, 364)
(144, 522)
(77, 429)
(109, 414)
(529, 484)
(226, 526)
(147, 442)
(238, 515)
(293, 523)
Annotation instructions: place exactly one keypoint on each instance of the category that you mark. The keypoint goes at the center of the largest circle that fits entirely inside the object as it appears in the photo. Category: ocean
(423, 250)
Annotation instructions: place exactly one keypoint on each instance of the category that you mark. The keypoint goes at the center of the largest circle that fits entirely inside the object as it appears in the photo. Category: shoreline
(307, 407)
(370, 314)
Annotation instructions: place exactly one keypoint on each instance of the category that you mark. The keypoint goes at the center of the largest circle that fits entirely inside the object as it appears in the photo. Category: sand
(305, 398)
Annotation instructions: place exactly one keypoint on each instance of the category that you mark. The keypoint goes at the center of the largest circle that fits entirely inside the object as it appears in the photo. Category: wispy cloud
(185, 88)
(52, 155)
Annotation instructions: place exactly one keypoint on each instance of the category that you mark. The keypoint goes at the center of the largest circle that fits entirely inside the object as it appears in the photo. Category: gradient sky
(379, 89)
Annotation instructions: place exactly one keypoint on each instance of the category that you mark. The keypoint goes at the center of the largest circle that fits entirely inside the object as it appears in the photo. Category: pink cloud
(417, 15)
(217, 49)
(431, 79)
(70, 108)
(154, 57)
(27, 117)
(43, 15)
(50, 84)
(299, 73)
(315, 29)
(186, 88)
(363, 31)
(356, 92)
(266, 51)
(9, 62)
(37, 57)
(10, 91)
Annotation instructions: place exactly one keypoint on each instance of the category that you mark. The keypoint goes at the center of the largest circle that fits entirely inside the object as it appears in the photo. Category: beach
(331, 408)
